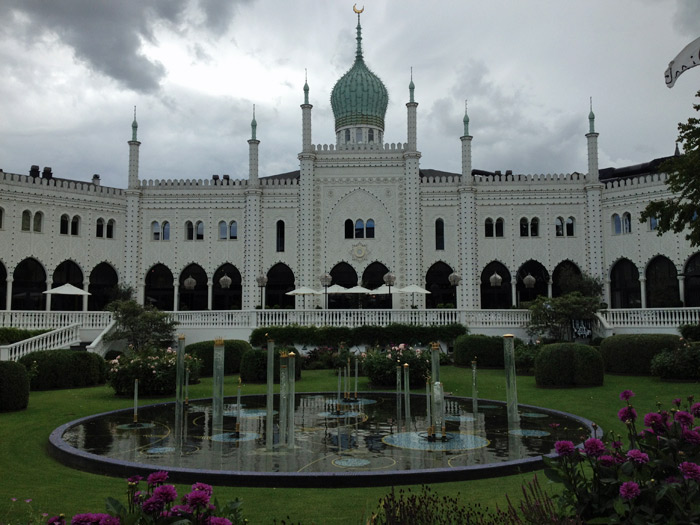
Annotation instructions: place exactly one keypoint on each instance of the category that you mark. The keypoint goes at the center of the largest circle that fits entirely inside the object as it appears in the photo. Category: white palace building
(481, 242)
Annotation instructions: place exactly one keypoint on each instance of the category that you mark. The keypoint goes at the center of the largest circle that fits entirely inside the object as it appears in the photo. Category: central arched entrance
(344, 275)
(103, 286)
(280, 280)
(193, 291)
(625, 290)
(67, 273)
(373, 278)
(227, 293)
(442, 293)
(160, 292)
(495, 287)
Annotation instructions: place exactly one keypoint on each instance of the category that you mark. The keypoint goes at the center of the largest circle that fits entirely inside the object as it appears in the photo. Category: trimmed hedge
(487, 349)
(9, 335)
(690, 331)
(362, 335)
(682, 364)
(631, 354)
(569, 364)
(233, 352)
(52, 369)
(254, 366)
(14, 386)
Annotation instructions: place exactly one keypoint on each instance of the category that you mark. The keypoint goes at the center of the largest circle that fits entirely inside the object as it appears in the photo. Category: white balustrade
(60, 338)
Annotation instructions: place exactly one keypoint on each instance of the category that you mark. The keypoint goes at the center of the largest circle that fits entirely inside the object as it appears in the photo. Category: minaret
(592, 137)
(309, 267)
(134, 155)
(466, 150)
(411, 258)
(412, 124)
(306, 119)
(253, 144)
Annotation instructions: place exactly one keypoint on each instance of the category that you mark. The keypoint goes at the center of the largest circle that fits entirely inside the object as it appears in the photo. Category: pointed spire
(411, 87)
(134, 127)
(466, 120)
(306, 87)
(253, 124)
(591, 119)
(358, 54)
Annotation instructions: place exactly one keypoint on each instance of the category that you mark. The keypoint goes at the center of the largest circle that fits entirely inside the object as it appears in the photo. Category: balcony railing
(59, 338)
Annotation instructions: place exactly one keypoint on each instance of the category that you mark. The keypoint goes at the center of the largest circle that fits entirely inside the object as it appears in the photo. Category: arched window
(653, 223)
(26, 220)
(524, 227)
(166, 231)
(233, 230)
(359, 229)
(189, 231)
(100, 228)
(627, 223)
(64, 224)
(155, 228)
(223, 230)
(75, 225)
(358, 135)
(570, 223)
(559, 227)
(200, 230)
(370, 135)
(488, 227)
(535, 227)
(369, 229)
(439, 234)
(499, 227)
(38, 221)
(349, 229)
(616, 224)
(347, 136)
(110, 228)
(280, 236)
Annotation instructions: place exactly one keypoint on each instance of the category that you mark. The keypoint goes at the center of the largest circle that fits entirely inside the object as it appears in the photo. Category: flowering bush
(682, 362)
(380, 365)
(155, 369)
(655, 480)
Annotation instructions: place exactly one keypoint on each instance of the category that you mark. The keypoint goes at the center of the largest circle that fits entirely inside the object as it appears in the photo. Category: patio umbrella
(358, 289)
(336, 288)
(66, 289)
(384, 289)
(413, 290)
(304, 291)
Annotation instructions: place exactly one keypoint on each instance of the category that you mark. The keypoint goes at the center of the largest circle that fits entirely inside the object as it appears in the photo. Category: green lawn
(28, 471)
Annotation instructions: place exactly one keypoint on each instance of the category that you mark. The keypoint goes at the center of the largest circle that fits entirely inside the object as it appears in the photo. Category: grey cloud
(687, 17)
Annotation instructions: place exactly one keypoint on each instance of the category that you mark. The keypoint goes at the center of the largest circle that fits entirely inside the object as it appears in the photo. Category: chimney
(226, 177)
(215, 177)
(96, 179)
(509, 172)
(46, 174)
(34, 171)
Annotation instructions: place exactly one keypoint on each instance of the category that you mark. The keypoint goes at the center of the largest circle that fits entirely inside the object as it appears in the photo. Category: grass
(28, 471)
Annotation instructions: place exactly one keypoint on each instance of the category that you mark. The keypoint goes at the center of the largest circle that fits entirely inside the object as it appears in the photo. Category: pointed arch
(438, 284)
(625, 290)
(691, 291)
(541, 285)
(280, 280)
(28, 286)
(344, 275)
(373, 278)
(196, 298)
(103, 286)
(662, 283)
(495, 296)
(67, 272)
(230, 298)
(563, 274)
(160, 291)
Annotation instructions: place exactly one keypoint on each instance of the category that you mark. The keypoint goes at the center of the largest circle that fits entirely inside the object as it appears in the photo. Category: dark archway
(344, 275)
(438, 284)
(540, 286)
(103, 286)
(193, 291)
(280, 280)
(625, 290)
(3, 283)
(231, 297)
(565, 273)
(495, 296)
(67, 272)
(691, 291)
(373, 278)
(28, 285)
(160, 292)
(662, 284)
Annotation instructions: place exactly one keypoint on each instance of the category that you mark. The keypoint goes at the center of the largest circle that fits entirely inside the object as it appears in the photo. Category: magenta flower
(134, 479)
(626, 395)
(690, 470)
(56, 520)
(197, 498)
(627, 414)
(564, 448)
(203, 487)
(695, 409)
(684, 419)
(165, 493)
(652, 419)
(90, 518)
(637, 456)
(181, 510)
(607, 461)
(156, 478)
(153, 505)
(677, 401)
(213, 520)
(629, 490)
(594, 447)
(616, 444)
(110, 520)
(691, 436)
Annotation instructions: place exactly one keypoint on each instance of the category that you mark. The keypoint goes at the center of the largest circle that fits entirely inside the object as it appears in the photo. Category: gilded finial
(358, 11)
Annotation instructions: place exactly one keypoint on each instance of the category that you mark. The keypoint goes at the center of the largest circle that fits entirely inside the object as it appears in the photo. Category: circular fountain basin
(364, 442)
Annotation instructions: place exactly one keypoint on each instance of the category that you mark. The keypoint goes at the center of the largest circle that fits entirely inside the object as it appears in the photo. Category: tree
(553, 316)
(680, 212)
(142, 327)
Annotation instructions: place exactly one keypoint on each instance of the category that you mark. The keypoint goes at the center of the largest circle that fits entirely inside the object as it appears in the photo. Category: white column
(48, 295)
(86, 286)
(681, 288)
(210, 290)
(176, 296)
(549, 288)
(643, 290)
(514, 292)
(8, 294)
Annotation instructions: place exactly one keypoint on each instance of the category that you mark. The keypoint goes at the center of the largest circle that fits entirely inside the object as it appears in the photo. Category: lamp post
(455, 279)
(326, 281)
(262, 282)
(389, 280)
(529, 282)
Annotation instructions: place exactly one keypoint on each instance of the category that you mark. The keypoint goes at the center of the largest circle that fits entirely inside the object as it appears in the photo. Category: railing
(37, 320)
(651, 317)
(100, 344)
(223, 318)
(60, 338)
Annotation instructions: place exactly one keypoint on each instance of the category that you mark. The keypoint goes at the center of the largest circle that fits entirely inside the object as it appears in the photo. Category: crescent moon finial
(358, 11)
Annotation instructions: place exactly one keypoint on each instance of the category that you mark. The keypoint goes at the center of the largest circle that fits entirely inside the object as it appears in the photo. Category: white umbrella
(358, 289)
(66, 289)
(413, 290)
(384, 289)
(304, 291)
(336, 288)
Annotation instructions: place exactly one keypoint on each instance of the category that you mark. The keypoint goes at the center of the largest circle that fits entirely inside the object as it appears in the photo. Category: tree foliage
(680, 212)
(142, 327)
(553, 316)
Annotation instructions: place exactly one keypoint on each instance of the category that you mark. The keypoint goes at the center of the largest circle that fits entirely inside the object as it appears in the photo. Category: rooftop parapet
(52, 182)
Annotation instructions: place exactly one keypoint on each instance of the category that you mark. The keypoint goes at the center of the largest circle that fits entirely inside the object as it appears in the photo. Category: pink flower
(690, 470)
(684, 419)
(695, 409)
(626, 395)
(156, 478)
(594, 447)
(203, 487)
(165, 493)
(691, 436)
(213, 520)
(197, 498)
(564, 448)
(637, 456)
(627, 414)
(629, 490)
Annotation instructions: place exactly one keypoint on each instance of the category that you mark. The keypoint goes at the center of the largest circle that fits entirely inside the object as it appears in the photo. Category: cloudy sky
(71, 72)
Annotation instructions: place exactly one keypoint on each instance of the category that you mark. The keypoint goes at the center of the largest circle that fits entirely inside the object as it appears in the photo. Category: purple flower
(695, 409)
(627, 414)
(165, 493)
(90, 518)
(153, 505)
(607, 461)
(691, 436)
(110, 520)
(616, 445)
(677, 401)
(203, 487)
(637, 456)
(213, 520)
(629, 490)
(690, 470)
(197, 498)
(156, 478)
(594, 447)
(57, 520)
(652, 419)
(181, 510)
(684, 419)
(134, 479)
(626, 395)
(564, 448)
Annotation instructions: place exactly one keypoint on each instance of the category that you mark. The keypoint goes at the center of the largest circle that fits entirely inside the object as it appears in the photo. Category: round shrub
(488, 350)
(380, 365)
(568, 364)
(690, 331)
(254, 366)
(525, 355)
(233, 351)
(632, 353)
(52, 369)
(682, 363)
(14, 386)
